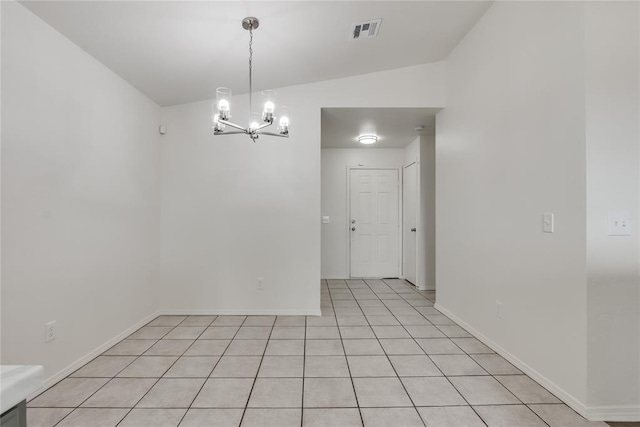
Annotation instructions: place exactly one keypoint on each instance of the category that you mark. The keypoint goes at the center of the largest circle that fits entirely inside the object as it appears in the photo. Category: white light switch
(547, 222)
(325, 220)
(619, 223)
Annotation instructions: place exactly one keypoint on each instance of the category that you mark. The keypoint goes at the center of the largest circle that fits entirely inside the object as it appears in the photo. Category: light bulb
(254, 121)
(223, 98)
(223, 105)
(283, 121)
(269, 107)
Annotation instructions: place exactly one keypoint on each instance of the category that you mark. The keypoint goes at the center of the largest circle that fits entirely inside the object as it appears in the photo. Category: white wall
(546, 122)
(79, 197)
(335, 203)
(233, 211)
(427, 241)
(612, 139)
(412, 152)
(511, 145)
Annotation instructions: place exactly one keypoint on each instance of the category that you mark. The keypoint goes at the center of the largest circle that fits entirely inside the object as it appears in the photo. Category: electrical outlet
(260, 284)
(498, 309)
(50, 331)
(619, 223)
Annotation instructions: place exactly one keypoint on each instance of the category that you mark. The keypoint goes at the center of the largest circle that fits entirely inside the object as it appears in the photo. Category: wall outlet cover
(50, 331)
(619, 223)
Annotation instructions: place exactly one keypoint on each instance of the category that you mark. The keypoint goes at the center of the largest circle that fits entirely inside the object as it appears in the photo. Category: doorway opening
(357, 183)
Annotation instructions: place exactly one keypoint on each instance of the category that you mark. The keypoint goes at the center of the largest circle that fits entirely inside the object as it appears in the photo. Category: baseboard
(55, 378)
(238, 312)
(560, 393)
(614, 413)
(335, 278)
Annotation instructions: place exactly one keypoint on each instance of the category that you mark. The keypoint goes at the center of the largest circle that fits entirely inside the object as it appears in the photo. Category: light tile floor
(380, 355)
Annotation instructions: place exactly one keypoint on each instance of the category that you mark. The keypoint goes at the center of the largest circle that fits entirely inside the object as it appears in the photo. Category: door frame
(418, 222)
(348, 230)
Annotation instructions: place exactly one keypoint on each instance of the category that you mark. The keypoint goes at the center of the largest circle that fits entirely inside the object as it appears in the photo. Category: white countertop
(17, 382)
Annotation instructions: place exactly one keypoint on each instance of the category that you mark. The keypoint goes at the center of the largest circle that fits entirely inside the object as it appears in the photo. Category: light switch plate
(325, 220)
(619, 223)
(547, 222)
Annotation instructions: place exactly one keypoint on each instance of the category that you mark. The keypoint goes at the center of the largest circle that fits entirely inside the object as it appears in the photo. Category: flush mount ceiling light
(367, 139)
(222, 106)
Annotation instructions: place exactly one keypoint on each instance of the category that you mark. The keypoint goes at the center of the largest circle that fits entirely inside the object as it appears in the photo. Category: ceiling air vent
(365, 30)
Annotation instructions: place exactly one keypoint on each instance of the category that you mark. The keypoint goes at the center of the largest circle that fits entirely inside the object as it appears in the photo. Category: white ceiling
(395, 127)
(180, 51)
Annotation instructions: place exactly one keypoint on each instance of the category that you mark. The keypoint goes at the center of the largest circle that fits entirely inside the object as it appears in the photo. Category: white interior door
(409, 221)
(374, 223)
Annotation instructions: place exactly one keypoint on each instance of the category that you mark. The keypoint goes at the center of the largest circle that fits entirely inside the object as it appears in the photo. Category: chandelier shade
(257, 122)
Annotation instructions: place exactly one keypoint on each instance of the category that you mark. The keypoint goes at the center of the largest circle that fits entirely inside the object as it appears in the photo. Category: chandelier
(222, 106)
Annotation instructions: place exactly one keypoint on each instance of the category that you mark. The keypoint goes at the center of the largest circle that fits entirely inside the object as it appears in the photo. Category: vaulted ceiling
(180, 51)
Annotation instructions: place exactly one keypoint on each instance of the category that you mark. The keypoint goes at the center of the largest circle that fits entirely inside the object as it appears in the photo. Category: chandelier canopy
(222, 106)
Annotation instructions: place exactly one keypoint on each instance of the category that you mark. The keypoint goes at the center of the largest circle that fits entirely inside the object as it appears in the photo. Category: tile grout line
(209, 376)
(255, 379)
(389, 360)
(304, 361)
(346, 361)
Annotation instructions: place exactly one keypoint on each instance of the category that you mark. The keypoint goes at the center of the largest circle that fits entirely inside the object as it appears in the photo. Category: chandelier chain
(250, 70)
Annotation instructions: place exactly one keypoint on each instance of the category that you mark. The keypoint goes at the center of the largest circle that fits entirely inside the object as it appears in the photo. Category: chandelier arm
(233, 125)
(262, 126)
(235, 132)
(273, 134)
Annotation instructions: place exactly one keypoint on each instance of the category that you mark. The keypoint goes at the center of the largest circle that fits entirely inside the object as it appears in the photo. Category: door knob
(413, 230)
(353, 221)
(353, 229)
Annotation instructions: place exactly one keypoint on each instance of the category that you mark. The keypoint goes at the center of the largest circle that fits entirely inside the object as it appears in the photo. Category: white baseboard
(55, 378)
(335, 278)
(560, 393)
(614, 413)
(238, 312)
(627, 413)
